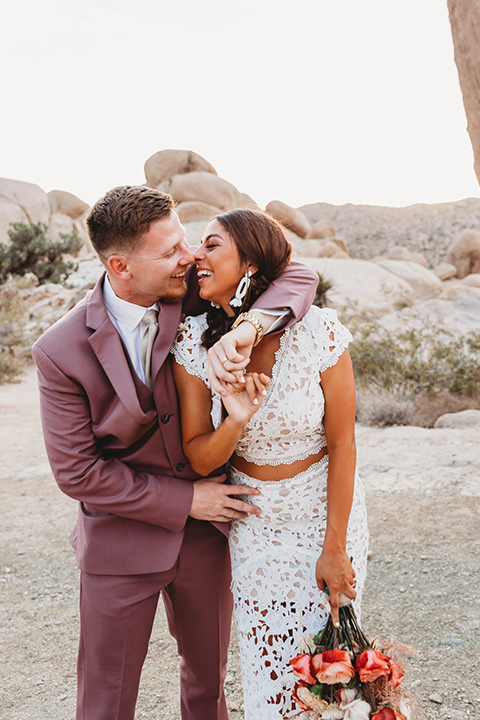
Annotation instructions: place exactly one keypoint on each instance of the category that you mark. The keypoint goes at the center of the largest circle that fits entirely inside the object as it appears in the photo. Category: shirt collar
(125, 312)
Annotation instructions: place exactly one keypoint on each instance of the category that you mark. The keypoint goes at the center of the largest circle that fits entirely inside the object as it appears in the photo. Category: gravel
(421, 584)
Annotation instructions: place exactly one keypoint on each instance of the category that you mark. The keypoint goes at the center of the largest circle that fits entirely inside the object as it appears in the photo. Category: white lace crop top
(288, 426)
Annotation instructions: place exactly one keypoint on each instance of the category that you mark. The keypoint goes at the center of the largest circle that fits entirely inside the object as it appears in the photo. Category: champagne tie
(151, 320)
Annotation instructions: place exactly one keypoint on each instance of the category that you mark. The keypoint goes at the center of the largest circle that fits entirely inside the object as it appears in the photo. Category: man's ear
(118, 267)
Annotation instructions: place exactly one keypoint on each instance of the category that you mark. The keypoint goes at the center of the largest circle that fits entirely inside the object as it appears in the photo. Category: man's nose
(188, 257)
(199, 253)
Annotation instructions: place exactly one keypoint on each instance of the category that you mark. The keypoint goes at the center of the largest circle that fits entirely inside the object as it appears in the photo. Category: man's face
(157, 267)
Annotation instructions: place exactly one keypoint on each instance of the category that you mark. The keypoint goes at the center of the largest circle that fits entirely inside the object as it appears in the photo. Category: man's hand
(229, 356)
(212, 501)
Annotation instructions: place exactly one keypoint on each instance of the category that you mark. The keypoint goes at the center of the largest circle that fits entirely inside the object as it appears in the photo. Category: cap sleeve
(333, 338)
(188, 349)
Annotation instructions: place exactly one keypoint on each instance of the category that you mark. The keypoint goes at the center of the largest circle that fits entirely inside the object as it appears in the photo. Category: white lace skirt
(273, 580)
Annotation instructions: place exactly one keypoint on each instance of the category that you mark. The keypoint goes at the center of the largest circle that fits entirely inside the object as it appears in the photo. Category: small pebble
(436, 698)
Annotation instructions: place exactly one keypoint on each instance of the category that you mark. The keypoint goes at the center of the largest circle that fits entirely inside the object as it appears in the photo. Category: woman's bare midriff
(268, 473)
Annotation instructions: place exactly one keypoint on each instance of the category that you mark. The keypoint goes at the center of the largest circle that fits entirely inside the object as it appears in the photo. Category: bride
(287, 429)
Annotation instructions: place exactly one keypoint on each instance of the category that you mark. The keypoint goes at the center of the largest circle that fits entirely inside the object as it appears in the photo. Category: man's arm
(83, 473)
(293, 291)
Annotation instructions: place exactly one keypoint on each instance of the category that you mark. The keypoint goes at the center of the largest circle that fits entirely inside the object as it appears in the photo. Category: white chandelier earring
(241, 290)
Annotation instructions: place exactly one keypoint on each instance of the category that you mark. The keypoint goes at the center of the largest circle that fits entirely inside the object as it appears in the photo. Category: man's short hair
(117, 222)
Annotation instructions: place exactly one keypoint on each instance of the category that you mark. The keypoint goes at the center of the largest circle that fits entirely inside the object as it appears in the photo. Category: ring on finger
(224, 360)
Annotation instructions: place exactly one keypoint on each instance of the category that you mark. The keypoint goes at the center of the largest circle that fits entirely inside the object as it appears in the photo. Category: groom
(147, 524)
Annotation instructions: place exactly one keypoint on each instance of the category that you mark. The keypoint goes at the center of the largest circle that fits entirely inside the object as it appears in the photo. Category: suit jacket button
(180, 467)
(164, 419)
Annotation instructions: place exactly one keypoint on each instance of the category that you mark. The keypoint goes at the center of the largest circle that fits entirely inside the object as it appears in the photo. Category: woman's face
(219, 267)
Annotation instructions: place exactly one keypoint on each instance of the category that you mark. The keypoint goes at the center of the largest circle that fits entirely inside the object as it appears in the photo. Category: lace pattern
(289, 424)
(274, 555)
(190, 353)
(273, 580)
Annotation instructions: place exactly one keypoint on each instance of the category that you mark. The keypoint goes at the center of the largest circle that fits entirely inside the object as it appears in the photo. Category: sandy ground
(423, 490)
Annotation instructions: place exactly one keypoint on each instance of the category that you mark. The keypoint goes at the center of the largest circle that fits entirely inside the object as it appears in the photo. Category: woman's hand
(335, 571)
(243, 401)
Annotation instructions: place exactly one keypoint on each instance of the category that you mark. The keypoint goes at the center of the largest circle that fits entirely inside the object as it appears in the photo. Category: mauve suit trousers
(119, 612)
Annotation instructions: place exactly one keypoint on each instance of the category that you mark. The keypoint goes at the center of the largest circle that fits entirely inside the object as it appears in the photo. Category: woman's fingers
(256, 386)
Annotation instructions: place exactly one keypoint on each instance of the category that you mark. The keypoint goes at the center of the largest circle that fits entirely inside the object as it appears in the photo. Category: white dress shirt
(127, 318)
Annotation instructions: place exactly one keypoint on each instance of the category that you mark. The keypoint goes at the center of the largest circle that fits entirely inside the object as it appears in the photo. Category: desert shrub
(12, 317)
(412, 376)
(323, 287)
(416, 360)
(32, 250)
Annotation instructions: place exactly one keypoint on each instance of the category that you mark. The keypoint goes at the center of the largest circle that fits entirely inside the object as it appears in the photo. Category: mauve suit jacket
(113, 444)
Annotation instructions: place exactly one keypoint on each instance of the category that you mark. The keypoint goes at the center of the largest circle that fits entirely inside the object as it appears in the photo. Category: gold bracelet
(249, 317)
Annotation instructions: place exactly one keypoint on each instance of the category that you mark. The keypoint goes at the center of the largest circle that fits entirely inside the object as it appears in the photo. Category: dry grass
(383, 408)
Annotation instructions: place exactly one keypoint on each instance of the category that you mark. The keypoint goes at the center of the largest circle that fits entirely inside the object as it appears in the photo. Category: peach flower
(302, 668)
(333, 666)
(298, 686)
(386, 713)
(396, 673)
(371, 665)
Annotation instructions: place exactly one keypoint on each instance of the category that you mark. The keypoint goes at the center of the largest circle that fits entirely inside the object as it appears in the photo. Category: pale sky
(308, 100)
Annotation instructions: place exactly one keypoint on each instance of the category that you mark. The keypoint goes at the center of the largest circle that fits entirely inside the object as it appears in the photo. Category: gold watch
(251, 318)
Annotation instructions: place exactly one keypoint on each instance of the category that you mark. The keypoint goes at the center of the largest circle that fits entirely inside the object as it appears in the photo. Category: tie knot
(150, 317)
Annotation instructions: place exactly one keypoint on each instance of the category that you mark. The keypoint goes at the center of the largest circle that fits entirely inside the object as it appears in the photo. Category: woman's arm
(333, 567)
(206, 448)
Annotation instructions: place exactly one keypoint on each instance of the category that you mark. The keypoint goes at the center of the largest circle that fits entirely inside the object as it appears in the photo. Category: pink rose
(371, 665)
(333, 666)
(302, 668)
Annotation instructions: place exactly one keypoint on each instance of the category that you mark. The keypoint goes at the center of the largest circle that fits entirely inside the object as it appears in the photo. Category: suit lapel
(168, 320)
(107, 346)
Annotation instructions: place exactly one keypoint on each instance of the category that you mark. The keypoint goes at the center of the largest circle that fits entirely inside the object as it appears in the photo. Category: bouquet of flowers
(346, 677)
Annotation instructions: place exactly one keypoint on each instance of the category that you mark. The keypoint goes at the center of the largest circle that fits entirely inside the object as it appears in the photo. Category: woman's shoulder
(191, 328)
(188, 349)
(320, 318)
(322, 331)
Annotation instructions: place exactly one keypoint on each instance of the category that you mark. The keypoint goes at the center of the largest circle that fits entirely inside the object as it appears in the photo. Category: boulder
(202, 186)
(322, 248)
(66, 203)
(362, 286)
(61, 224)
(291, 218)
(399, 252)
(445, 271)
(245, 201)
(10, 213)
(458, 289)
(473, 280)
(462, 419)
(27, 202)
(424, 282)
(464, 252)
(164, 164)
(193, 210)
(194, 232)
(458, 315)
(321, 229)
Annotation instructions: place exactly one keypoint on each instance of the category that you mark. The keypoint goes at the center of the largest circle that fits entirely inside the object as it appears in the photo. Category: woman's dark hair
(260, 240)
